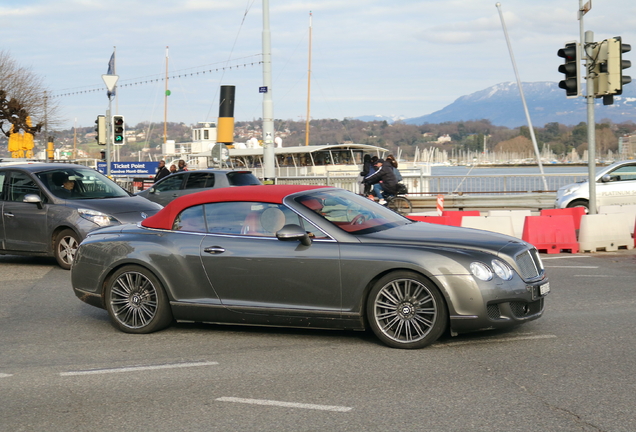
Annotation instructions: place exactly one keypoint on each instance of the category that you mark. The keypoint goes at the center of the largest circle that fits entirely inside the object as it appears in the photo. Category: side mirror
(33, 198)
(152, 190)
(606, 178)
(293, 232)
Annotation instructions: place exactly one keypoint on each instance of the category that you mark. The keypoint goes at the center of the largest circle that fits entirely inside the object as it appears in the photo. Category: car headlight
(99, 218)
(571, 190)
(502, 270)
(481, 271)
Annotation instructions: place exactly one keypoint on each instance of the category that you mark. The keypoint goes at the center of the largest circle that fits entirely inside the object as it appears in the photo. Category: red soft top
(164, 218)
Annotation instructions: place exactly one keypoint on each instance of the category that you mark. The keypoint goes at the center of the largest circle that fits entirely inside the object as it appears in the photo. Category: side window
(172, 182)
(2, 177)
(625, 173)
(20, 184)
(226, 217)
(200, 180)
(191, 219)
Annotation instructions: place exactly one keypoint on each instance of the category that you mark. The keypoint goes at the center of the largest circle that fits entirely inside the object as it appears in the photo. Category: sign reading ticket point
(127, 169)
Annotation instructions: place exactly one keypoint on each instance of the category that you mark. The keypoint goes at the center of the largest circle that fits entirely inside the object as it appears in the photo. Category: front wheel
(405, 310)
(400, 205)
(136, 301)
(580, 203)
(65, 246)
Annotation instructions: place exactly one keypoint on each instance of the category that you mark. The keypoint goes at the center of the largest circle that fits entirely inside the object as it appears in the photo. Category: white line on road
(573, 267)
(499, 340)
(285, 404)
(3, 375)
(136, 368)
(563, 257)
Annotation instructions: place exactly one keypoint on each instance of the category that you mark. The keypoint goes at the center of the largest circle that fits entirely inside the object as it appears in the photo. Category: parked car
(48, 208)
(307, 256)
(615, 185)
(187, 182)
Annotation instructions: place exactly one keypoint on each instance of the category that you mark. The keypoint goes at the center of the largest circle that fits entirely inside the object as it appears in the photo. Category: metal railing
(418, 183)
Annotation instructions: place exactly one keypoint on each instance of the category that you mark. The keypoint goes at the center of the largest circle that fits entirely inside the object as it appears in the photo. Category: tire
(580, 203)
(405, 310)
(136, 301)
(400, 205)
(64, 248)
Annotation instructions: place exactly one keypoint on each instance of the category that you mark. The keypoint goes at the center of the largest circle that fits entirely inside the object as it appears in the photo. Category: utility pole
(268, 104)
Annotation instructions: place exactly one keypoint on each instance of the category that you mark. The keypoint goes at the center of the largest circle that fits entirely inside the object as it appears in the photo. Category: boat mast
(268, 104)
(308, 86)
(165, 104)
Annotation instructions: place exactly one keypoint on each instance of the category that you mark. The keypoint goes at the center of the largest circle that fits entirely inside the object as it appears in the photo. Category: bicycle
(399, 204)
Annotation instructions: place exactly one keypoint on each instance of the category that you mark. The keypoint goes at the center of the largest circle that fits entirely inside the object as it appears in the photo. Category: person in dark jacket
(162, 172)
(384, 175)
(367, 168)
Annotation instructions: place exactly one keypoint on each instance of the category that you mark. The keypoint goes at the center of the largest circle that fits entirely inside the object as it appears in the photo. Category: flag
(111, 71)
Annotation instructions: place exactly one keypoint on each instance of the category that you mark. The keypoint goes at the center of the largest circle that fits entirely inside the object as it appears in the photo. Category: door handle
(9, 214)
(214, 250)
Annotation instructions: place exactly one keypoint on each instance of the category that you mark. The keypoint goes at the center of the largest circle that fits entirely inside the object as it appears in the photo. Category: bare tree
(22, 95)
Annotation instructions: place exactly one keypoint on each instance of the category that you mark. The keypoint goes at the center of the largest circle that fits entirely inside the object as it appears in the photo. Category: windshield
(350, 212)
(80, 183)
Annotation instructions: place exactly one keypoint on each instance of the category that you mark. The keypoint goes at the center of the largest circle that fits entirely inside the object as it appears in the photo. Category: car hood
(435, 235)
(125, 209)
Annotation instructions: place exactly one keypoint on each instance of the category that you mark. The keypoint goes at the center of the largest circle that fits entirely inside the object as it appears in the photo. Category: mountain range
(547, 103)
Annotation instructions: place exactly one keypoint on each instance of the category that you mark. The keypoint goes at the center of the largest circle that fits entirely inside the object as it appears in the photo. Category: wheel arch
(107, 275)
(58, 230)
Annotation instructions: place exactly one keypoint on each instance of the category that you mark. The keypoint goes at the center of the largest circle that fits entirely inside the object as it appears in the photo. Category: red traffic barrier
(440, 205)
(551, 234)
(440, 220)
(457, 215)
(575, 212)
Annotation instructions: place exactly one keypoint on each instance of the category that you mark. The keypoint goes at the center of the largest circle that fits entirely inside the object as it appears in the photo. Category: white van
(615, 185)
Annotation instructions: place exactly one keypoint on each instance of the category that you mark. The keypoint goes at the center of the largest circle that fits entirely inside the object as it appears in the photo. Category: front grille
(529, 264)
(523, 309)
(493, 311)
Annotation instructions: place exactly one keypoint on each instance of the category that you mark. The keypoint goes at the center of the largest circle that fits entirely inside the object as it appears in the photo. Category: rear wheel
(65, 246)
(136, 301)
(400, 205)
(405, 310)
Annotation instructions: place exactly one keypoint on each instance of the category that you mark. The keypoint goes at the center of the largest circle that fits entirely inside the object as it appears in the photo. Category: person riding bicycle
(385, 176)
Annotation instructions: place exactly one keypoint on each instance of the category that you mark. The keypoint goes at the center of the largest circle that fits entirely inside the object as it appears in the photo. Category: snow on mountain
(501, 104)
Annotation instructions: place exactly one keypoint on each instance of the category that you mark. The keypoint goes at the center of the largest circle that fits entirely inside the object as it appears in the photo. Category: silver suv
(187, 182)
(615, 184)
(49, 208)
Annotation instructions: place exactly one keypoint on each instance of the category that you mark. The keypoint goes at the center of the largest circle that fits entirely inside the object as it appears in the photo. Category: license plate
(544, 289)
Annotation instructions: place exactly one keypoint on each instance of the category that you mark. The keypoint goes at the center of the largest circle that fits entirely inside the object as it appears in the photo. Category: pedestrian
(173, 169)
(367, 167)
(182, 166)
(394, 164)
(162, 171)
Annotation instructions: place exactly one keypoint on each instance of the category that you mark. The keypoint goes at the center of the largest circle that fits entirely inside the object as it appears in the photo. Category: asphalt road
(63, 367)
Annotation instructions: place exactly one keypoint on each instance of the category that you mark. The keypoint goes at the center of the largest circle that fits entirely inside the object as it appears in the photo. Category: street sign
(110, 81)
(127, 169)
(262, 89)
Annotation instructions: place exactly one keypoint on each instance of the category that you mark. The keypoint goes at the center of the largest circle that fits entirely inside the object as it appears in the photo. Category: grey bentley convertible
(308, 257)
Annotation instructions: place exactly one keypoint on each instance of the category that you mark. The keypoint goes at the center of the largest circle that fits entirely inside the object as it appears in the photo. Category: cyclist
(385, 176)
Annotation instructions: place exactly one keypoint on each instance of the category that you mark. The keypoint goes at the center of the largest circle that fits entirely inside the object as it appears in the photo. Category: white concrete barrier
(628, 209)
(605, 231)
(498, 224)
(518, 218)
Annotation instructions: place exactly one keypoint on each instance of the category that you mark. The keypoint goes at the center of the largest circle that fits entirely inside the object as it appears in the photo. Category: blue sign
(262, 89)
(129, 169)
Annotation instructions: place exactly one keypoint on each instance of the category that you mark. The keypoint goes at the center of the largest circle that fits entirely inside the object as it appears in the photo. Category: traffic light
(570, 68)
(616, 64)
(100, 130)
(118, 130)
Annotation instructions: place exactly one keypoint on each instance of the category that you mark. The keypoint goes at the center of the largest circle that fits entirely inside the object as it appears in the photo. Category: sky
(403, 58)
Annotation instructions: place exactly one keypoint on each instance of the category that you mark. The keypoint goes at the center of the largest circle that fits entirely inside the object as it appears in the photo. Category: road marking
(574, 267)
(3, 375)
(485, 341)
(285, 404)
(564, 257)
(594, 275)
(136, 368)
